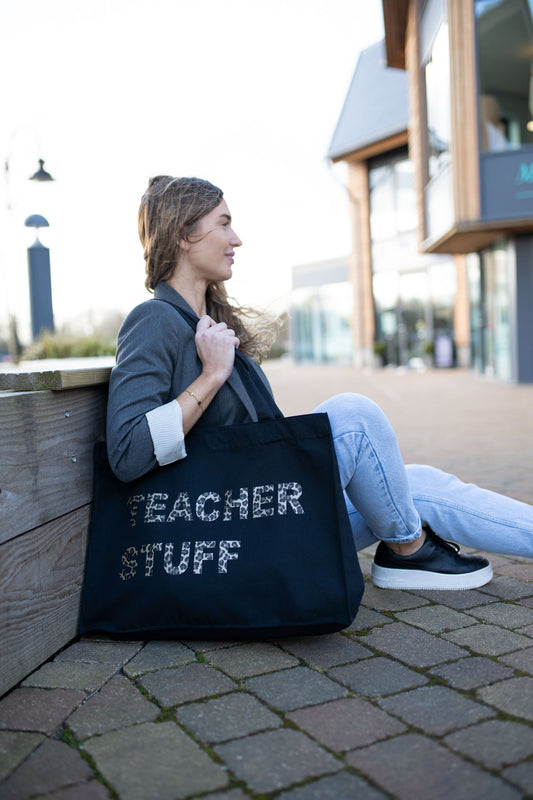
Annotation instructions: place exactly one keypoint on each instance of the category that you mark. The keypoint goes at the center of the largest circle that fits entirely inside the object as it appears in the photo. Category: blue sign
(507, 184)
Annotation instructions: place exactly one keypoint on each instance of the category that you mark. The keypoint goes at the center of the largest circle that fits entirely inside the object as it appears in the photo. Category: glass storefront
(490, 318)
(414, 331)
(321, 329)
(414, 294)
(504, 53)
(473, 266)
(414, 315)
(386, 291)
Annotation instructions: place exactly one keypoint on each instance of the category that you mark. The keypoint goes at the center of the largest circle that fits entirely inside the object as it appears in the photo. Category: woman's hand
(215, 344)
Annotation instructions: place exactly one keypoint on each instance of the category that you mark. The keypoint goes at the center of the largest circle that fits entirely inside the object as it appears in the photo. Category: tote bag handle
(261, 398)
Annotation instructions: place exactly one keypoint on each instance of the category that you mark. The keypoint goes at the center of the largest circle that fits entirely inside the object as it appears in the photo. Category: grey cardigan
(156, 360)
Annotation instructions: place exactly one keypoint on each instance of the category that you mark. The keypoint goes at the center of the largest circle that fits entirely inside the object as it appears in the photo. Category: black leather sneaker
(436, 565)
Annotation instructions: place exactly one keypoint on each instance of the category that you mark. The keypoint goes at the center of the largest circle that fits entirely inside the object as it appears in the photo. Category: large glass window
(386, 289)
(437, 74)
(443, 290)
(413, 294)
(392, 198)
(414, 314)
(504, 32)
(413, 332)
(497, 333)
(407, 218)
(475, 293)
(321, 330)
(382, 202)
(490, 314)
(435, 66)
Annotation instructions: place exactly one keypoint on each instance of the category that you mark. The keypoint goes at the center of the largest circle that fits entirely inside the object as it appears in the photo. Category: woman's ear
(183, 245)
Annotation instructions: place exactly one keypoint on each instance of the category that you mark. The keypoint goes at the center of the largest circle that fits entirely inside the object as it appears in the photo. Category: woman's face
(210, 251)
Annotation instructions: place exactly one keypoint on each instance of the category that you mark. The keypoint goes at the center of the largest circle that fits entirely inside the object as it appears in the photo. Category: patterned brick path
(428, 694)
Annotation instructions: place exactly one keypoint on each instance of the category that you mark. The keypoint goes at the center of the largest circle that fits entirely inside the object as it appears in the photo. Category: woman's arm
(147, 356)
(145, 425)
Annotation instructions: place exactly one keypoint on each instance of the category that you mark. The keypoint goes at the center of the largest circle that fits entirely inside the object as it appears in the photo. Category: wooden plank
(46, 455)
(395, 22)
(465, 133)
(418, 144)
(55, 374)
(364, 322)
(41, 575)
(375, 149)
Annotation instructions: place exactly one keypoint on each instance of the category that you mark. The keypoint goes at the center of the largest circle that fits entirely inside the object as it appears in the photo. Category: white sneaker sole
(387, 578)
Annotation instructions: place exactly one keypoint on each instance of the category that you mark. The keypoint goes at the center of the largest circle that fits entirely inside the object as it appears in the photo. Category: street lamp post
(38, 256)
(42, 314)
(41, 174)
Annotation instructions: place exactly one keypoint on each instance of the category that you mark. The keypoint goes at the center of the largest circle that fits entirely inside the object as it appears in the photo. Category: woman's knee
(349, 404)
(352, 412)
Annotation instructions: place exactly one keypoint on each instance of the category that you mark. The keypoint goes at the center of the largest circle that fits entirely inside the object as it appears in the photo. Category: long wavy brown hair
(170, 211)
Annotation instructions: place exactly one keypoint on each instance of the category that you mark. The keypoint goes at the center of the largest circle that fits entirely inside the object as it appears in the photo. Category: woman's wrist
(198, 402)
(213, 378)
(195, 398)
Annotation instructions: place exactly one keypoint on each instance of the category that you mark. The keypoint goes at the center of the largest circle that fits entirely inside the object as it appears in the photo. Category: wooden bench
(50, 416)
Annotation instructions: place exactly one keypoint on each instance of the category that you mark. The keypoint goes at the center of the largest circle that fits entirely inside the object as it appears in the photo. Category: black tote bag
(247, 537)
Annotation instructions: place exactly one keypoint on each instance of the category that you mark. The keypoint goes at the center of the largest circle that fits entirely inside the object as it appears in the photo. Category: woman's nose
(236, 242)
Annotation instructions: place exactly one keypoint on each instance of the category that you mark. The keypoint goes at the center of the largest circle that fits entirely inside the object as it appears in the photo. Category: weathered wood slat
(41, 575)
(56, 374)
(46, 455)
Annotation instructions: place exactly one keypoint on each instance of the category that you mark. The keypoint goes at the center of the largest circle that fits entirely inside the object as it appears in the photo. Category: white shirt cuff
(166, 429)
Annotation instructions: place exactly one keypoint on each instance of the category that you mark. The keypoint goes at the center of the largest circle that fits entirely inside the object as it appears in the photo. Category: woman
(168, 379)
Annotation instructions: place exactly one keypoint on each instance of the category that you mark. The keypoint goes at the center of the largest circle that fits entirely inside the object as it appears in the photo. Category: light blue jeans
(392, 501)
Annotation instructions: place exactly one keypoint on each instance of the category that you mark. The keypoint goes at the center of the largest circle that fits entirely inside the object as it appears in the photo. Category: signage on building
(507, 184)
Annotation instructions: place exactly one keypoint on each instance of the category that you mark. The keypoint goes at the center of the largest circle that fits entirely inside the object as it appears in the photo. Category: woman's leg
(469, 515)
(375, 482)
(362, 535)
(372, 472)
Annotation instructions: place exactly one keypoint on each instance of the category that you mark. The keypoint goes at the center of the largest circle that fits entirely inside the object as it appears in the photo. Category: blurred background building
(321, 312)
(437, 134)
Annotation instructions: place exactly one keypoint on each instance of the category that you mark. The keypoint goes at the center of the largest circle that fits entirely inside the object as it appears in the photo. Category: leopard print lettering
(152, 506)
(150, 549)
(261, 499)
(184, 560)
(200, 507)
(225, 554)
(181, 508)
(129, 561)
(295, 492)
(240, 502)
(133, 502)
(200, 555)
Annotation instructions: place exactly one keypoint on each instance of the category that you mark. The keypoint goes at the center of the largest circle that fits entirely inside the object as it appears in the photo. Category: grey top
(156, 361)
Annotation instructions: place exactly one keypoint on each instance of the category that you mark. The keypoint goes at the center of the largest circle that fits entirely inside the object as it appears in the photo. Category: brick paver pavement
(427, 695)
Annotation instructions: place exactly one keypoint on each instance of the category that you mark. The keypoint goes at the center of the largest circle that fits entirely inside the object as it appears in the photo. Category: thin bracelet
(198, 401)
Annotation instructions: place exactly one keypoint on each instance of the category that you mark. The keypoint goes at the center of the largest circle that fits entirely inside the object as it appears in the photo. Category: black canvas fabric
(246, 537)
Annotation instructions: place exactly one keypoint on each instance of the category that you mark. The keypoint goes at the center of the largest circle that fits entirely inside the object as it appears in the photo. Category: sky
(244, 93)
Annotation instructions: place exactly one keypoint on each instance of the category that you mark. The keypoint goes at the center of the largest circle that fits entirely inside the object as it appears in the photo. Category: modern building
(437, 132)
(404, 301)
(321, 313)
